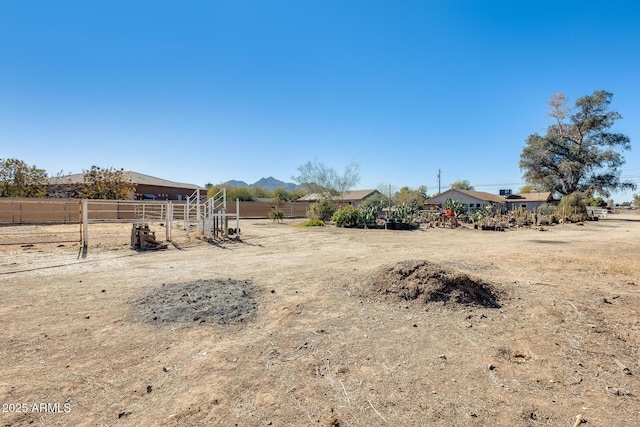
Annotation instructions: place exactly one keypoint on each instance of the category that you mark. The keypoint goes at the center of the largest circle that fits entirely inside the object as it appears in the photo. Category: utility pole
(438, 180)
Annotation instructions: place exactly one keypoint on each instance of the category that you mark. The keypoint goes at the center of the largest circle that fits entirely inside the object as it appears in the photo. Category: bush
(347, 216)
(313, 223)
(322, 210)
(547, 209)
(573, 204)
(276, 214)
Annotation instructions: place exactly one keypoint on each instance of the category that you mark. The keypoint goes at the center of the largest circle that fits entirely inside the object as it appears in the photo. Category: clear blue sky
(208, 91)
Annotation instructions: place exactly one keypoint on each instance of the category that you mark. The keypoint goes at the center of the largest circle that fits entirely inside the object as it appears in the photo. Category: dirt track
(317, 344)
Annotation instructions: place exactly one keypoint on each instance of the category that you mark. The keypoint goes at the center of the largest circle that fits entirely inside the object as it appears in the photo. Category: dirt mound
(222, 301)
(428, 282)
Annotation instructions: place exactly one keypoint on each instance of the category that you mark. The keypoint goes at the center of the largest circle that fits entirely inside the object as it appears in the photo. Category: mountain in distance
(234, 183)
(269, 183)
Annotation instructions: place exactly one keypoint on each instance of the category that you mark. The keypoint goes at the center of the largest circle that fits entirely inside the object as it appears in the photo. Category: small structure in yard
(142, 238)
(596, 212)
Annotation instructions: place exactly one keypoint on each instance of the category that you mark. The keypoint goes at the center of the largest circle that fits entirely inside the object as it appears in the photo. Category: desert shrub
(573, 204)
(276, 214)
(347, 216)
(547, 209)
(313, 223)
(322, 210)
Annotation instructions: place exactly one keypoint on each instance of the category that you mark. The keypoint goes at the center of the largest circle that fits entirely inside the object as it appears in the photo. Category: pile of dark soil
(221, 301)
(426, 282)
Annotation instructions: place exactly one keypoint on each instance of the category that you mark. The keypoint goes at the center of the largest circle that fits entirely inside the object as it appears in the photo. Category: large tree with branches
(106, 183)
(18, 179)
(579, 152)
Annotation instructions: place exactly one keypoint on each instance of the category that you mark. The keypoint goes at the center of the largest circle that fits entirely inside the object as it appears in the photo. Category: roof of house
(134, 177)
(537, 196)
(348, 195)
(479, 195)
(488, 197)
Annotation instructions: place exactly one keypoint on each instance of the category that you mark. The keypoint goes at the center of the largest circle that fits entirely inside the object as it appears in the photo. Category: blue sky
(211, 91)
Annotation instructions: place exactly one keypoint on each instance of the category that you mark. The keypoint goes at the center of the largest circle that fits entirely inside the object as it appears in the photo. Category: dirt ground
(295, 326)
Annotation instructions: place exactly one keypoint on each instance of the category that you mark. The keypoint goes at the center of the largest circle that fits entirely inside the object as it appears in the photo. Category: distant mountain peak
(270, 183)
(234, 183)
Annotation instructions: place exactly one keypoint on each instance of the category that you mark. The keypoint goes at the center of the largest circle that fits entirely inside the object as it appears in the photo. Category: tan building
(478, 199)
(350, 197)
(147, 187)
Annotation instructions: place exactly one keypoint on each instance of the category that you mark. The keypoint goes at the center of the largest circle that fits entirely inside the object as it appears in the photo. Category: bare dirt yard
(295, 326)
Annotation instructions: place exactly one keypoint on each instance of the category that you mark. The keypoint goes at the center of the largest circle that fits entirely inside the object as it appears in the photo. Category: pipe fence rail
(206, 218)
(23, 221)
(195, 214)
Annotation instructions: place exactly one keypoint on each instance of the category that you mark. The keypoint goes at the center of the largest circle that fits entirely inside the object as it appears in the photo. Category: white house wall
(471, 202)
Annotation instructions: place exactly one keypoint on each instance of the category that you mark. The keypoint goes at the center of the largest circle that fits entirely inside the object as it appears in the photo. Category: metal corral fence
(35, 215)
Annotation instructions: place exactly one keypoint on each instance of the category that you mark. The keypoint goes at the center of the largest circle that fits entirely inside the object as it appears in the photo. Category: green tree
(409, 196)
(281, 195)
(322, 210)
(636, 201)
(574, 203)
(213, 190)
(106, 183)
(244, 194)
(579, 152)
(462, 184)
(596, 201)
(325, 181)
(17, 179)
(527, 189)
(260, 192)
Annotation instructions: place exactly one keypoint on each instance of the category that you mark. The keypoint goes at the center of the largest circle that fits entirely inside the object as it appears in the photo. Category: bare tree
(325, 181)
